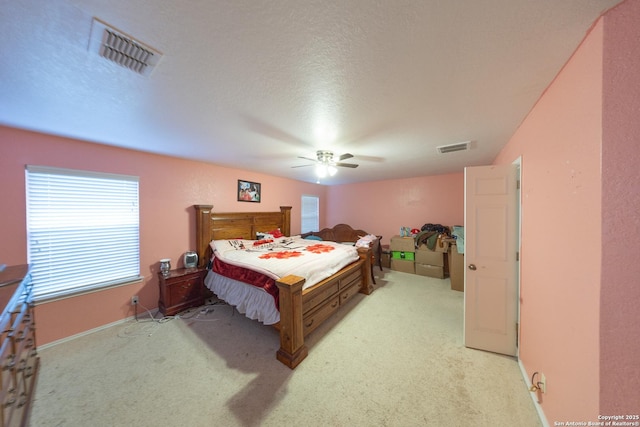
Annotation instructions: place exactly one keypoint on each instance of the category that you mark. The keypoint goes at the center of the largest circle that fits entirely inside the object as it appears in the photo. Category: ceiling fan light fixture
(321, 170)
(325, 165)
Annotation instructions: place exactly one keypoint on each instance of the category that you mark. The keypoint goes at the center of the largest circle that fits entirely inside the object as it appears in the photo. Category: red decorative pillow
(276, 233)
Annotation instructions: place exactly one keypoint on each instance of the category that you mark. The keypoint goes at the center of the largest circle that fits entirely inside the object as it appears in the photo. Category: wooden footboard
(301, 312)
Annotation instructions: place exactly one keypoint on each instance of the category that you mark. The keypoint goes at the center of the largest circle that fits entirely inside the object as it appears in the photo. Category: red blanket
(247, 276)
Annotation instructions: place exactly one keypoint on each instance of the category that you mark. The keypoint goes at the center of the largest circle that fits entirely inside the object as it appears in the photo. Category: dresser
(18, 353)
(182, 288)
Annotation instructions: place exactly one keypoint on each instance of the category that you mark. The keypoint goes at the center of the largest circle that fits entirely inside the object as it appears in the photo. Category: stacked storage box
(431, 263)
(402, 254)
(456, 267)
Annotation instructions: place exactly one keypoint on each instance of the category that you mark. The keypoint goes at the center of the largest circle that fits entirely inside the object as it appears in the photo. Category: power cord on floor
(151, 315)
(143, 326)
(138, 329)
(151, 324)
(195, 312)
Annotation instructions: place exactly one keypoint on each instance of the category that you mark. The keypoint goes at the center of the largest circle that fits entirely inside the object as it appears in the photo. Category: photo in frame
(248, 191)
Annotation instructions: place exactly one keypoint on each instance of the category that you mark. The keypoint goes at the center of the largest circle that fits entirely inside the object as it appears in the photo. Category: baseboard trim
(527, 381)
(99, 328)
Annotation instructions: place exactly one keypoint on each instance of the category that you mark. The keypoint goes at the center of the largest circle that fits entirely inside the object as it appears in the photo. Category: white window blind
(310, 214)
(82, 230)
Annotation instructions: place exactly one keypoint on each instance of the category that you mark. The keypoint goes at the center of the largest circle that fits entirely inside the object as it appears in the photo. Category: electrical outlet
(542, 383)
(134, 300)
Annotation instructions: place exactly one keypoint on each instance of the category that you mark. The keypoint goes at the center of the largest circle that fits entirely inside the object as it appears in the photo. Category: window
(310, 214)
(82, 230)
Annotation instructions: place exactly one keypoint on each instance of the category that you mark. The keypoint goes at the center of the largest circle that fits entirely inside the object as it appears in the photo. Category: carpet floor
(392, 358)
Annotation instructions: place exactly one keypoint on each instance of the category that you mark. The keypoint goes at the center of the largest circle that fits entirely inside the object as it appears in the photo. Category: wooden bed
(346, 233)
(301, 311)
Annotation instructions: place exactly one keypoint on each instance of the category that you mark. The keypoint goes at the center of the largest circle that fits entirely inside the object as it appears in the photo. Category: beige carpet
(393, 358)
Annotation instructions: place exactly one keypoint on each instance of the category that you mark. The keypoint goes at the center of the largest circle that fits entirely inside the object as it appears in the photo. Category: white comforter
(313, 260)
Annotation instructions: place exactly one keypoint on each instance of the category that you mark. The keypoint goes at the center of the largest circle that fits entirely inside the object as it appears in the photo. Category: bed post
(286, 220)
(292, 349)
(203, 230)
(365, 254)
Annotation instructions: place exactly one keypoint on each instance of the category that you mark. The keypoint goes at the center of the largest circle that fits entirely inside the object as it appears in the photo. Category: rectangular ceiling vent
(461, 146)
(117, 47)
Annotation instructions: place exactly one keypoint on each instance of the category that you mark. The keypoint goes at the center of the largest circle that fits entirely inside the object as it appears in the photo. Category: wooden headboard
(338, 233)
(234, 225)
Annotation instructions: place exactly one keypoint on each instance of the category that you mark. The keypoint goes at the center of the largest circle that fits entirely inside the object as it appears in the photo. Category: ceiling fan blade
(345, 156)
(347, 165)
(301, 166)
(307, 158)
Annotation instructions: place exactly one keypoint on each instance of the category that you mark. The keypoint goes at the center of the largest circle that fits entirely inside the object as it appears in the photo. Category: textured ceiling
(255, 84)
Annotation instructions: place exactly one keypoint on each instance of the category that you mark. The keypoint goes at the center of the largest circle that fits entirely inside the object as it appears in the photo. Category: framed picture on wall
(248, 191)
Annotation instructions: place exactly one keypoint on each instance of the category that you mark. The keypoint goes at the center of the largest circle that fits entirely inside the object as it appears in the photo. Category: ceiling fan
(325, 163)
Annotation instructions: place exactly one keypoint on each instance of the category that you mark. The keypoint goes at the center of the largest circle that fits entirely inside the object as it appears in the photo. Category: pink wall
(580, 228)
(383, 207)
(169, 187)
(620, 278)
(560, 142)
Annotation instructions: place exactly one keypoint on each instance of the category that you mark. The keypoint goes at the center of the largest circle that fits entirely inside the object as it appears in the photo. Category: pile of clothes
(366, 241)
(432, 235)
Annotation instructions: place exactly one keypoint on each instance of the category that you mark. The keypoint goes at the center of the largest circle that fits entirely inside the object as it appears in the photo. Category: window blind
(310, 220)
(82, 230)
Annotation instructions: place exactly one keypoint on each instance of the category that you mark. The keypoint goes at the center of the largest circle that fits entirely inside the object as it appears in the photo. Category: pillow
(312, 237)
(273, 234)
(276, 233)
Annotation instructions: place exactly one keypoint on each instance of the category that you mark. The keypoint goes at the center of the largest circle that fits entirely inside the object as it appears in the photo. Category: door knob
(472, 266)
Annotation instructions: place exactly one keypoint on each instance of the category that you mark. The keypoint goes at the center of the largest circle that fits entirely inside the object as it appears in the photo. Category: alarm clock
(190, 259)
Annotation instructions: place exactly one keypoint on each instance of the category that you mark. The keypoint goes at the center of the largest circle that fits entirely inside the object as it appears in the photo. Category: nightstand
(183, 288)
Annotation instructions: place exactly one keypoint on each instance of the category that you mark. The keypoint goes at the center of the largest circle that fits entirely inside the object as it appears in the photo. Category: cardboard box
(402, 265)
(425, 255)
(436, 271)
(403, 244)
(456, 268)
(407, 256)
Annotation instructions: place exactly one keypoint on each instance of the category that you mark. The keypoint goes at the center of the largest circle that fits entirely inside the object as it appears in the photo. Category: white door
(491, 289)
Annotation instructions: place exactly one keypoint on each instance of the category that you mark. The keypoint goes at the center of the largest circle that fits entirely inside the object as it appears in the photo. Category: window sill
(72, 293)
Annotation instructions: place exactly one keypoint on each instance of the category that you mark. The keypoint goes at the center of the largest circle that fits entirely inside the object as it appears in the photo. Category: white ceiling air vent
(460, 146)
(117, 47)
